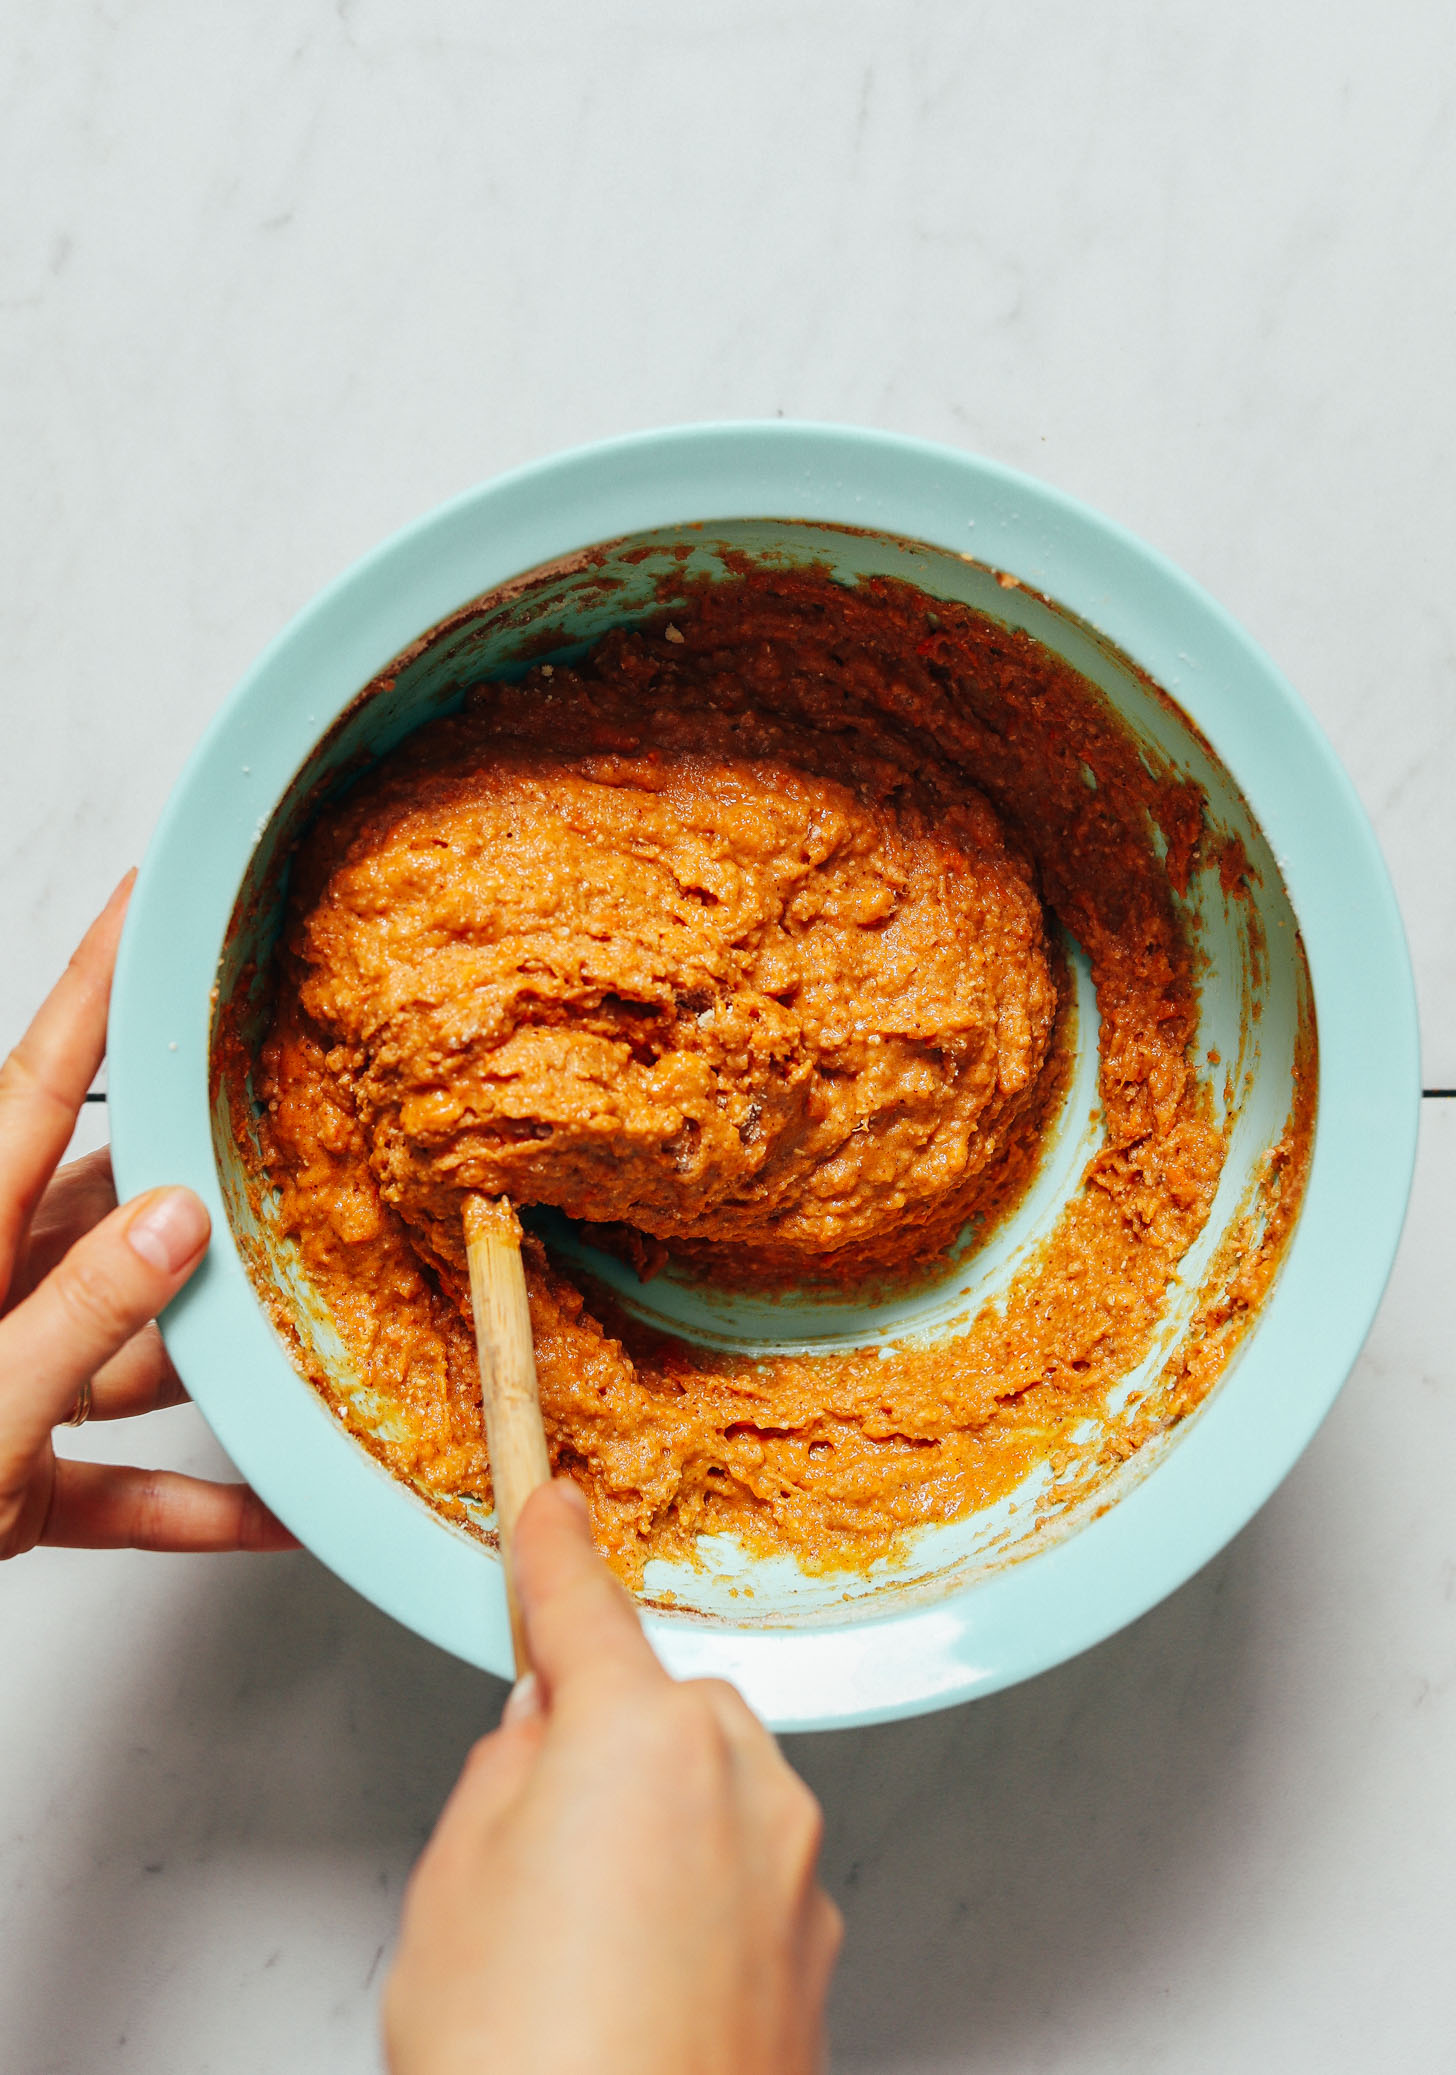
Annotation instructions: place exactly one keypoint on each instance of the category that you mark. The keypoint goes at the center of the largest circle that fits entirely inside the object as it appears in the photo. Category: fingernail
(123, 885)
(573, 1494)
(523, 1702)
(170, 1230)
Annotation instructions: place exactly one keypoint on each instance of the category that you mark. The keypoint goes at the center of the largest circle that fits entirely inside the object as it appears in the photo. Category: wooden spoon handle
(514, 1434)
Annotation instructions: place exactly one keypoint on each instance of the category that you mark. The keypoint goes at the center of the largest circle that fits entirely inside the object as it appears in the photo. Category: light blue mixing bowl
(460, 595)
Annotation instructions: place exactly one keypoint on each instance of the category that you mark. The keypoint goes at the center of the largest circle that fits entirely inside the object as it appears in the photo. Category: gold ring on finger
(82, 1409)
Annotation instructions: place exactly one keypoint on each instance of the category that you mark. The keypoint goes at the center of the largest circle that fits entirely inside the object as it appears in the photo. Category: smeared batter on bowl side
(733, 942)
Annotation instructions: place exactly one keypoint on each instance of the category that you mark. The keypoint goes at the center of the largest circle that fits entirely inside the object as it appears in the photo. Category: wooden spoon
(514, 1434)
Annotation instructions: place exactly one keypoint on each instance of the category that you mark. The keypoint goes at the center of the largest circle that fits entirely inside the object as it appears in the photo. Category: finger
(80, 1196)
(766, 1779)
(493, 1777)
(736, 1718)
(43, 1081)
(580, 1624)
(819, 1952)
(107, 1506)
(761, 1765)
(138, 1379)
(826, 1934)
(492, 1781)
(107, 1287)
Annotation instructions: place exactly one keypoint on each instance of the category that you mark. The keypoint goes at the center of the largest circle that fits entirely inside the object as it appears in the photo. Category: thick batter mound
(730, 984)
(731, 943)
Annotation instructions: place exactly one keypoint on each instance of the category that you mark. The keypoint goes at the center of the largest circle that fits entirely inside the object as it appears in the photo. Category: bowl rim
(1230, 1457)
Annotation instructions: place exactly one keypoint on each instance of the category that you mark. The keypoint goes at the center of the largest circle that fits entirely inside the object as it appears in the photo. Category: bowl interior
(1255, 1020)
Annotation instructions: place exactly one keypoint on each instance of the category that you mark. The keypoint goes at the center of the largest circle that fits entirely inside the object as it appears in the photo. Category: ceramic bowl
(466, 593)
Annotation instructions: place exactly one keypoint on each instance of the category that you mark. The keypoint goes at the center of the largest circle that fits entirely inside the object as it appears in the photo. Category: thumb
(580, 1624)
(92, 1302)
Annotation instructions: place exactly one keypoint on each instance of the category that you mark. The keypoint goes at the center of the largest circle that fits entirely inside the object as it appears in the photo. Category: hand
(80, 1281)
(624, 1880)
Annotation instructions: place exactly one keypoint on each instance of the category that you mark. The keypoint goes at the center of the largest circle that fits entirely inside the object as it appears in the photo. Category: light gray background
(275, 278)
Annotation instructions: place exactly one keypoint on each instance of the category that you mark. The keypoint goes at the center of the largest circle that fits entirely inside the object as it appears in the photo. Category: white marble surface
(272, 280)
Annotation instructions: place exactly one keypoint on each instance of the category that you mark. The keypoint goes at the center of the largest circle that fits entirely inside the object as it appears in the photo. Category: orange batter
(722, 981)
(731, 942)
